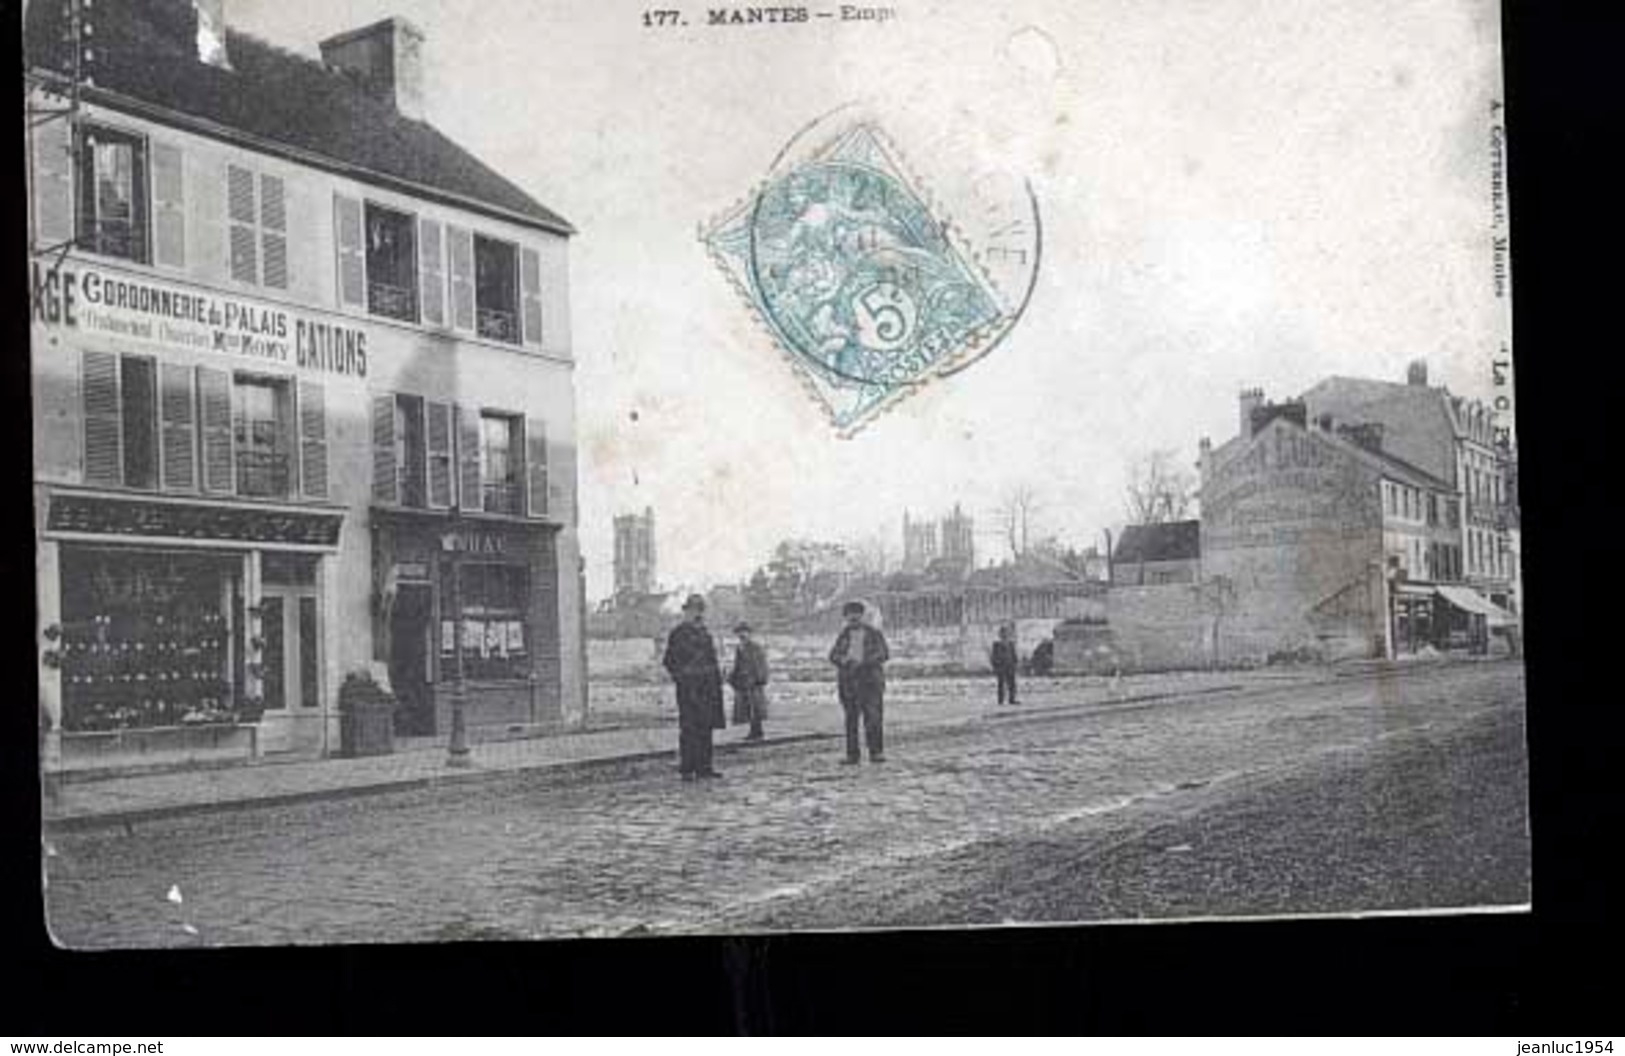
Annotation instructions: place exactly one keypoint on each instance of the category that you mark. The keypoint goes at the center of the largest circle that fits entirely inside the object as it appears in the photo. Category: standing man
(1004, 658)
(749, 679)
(691, 660)
(860, 656)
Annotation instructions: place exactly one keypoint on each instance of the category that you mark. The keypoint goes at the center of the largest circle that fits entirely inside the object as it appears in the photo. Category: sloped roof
(144, 50)
(1385, 461)
(1346, 398)
(1172, 541)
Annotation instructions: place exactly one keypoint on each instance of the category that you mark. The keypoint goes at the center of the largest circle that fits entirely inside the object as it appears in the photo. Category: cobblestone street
(944, 832)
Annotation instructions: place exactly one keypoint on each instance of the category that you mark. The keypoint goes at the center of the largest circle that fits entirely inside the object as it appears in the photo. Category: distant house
(1150, 554)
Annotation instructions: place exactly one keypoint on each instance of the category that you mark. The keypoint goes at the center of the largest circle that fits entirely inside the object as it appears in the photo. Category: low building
(1152, 554)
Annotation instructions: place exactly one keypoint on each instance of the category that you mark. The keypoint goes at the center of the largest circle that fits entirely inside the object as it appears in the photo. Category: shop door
(409, 655)
(291, 661)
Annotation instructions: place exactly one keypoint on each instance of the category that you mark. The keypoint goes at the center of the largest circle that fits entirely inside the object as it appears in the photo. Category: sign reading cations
(88, 299)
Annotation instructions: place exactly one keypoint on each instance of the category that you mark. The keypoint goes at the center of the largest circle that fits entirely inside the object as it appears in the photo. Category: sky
(1234, 193)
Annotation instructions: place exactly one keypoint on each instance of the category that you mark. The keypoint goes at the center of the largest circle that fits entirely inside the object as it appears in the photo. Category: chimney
(211, 32)
(386, 59)
(1417, 373)
(1251, 400)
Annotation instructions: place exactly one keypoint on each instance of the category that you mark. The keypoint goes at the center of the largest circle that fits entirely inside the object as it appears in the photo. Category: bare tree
(1017, 510)
(871, 555)
(1159, 489)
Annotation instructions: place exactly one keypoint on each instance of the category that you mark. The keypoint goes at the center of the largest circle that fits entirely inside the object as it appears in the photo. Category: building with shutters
(298, 360)
(1318, 537)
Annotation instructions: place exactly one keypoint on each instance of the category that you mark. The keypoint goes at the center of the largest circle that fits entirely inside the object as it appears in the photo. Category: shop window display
(496, 632)
(147, 642)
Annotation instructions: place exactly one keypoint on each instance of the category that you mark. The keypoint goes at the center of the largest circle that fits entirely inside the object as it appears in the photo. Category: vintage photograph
(528, 470)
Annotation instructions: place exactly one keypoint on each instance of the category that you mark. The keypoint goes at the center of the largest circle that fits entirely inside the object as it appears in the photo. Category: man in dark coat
(860, 656)
(1005, 659)
(691, 660)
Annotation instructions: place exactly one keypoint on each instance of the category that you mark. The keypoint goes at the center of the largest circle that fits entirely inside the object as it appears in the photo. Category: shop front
(1445, 617)
(505, 574)
(182, 632)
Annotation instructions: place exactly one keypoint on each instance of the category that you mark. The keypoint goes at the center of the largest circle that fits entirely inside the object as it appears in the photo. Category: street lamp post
(457, 753)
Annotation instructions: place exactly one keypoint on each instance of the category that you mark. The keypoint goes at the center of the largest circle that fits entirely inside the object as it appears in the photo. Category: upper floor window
(177, 427)
(256, 211)
(500, 463)
(112, 193)
(261, 413)
(496, 289)
(392, 263)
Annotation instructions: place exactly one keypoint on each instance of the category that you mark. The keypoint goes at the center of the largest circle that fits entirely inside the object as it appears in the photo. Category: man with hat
(691, 660)
(860, 656)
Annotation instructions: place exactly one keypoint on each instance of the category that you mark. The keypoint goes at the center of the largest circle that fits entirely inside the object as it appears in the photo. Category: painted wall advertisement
(75, 297)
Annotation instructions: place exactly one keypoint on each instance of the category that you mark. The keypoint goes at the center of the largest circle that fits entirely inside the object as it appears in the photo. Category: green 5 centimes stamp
(865, 281)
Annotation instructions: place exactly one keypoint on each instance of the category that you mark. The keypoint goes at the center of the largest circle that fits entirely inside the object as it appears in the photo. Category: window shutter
(214, 402)
(468, 455)
(460, 243)
(351, 248)
(431, 274)
(168, 208)
(536, 467)
(274, 232)
(530, 295)
(53, 183)
(178, 411)
(104, 429)
(312, 440)
(385, 486)
(438, 433)
(241, 212)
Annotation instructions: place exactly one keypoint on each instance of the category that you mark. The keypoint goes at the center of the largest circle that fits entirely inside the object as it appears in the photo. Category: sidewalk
(800, 712)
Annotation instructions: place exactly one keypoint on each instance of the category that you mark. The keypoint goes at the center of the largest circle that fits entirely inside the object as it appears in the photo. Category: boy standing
(749, 679)
(1005, 660)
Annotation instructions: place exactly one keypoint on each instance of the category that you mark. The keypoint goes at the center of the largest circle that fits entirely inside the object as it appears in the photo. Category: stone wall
(1161, 627)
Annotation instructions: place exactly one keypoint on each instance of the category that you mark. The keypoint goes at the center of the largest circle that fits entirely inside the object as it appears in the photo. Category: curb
(129, 818)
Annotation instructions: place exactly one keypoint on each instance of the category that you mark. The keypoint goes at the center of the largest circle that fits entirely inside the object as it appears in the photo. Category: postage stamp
(861, 278)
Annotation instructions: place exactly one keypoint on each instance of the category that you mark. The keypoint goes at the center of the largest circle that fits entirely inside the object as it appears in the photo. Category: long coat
(691, 660)
(749, 677)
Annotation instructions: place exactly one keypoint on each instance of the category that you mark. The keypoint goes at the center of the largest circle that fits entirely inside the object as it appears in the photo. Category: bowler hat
(741, 627)
(694, 602)
(852, 608)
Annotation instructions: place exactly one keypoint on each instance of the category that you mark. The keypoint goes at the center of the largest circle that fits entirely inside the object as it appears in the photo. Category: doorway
(290, 662)
(409, 659)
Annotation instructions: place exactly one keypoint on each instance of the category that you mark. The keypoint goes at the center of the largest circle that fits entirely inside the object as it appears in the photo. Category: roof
(145, 52)
(1171, 541)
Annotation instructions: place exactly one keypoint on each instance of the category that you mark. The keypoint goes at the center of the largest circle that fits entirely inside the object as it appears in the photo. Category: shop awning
(1470, 600)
